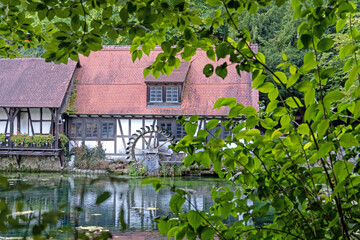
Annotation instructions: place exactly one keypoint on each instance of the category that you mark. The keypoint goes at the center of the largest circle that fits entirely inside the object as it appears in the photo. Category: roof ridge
(123, 48)
(6, 59)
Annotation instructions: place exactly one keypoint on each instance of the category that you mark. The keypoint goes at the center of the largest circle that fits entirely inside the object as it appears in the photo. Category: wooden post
(57, 129)
(11, 119)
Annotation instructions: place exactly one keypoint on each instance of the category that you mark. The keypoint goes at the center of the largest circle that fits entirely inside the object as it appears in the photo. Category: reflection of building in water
(140, 203)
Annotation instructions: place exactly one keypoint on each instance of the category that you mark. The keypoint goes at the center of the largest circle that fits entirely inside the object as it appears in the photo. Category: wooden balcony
(47, 149)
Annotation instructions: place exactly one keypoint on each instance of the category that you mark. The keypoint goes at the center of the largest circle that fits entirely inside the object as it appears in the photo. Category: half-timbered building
(104, 98)
(114, 100)
(33, 96)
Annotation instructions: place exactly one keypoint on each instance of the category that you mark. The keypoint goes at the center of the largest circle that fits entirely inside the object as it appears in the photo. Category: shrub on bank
(90, 158)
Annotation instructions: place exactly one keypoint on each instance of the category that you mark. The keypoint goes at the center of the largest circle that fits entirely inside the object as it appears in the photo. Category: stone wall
(30, 163)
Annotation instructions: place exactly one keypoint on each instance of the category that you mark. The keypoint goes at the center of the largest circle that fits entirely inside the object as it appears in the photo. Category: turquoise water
(137, 203)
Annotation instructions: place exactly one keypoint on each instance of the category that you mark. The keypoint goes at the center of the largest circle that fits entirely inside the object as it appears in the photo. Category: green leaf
(212, 123)
(342, 170)
(190, 128)
(221, 70)
(340, 24)
(331, 97)
(352, 76)
(348, 140)
(204, 159)
(303, 129)
(222, 50)
(194, 219)
(124, 14)
(322, 127)
(344, 50)
(211, 54)
(229, 101)
(291, 102)
(176, 203)
(102, 197)
(207, 233)
(189, 160)
(164, 227)
(306, 40)
(235, 111)
(325, 44)
(280, 77)
(292, 80)
(214, 3)
(208, 70)
(258, 81)
(266, 87)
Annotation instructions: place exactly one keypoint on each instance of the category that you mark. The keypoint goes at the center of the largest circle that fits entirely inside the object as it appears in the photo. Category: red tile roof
(32, 82)
(110, 83)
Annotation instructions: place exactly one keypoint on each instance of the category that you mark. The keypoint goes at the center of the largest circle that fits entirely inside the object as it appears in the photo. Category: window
(166, 126)
(180, 131)
(164, 95)
(172, 94)
(108, 130)
(155, 94)
(76, 130)
(91, 130)
(176, 129)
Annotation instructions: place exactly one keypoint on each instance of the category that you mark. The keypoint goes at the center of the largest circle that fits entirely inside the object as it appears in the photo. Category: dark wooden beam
(57, 129)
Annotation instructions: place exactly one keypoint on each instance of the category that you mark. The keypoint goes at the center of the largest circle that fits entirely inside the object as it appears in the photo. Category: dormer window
(172, 94)
(166, 91)
(155, 94)
(164, 95)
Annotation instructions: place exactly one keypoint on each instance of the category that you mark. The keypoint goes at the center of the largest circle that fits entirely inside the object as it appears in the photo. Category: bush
(90, 158)
(2, 138)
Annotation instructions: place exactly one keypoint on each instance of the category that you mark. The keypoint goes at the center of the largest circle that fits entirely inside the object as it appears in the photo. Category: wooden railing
(10, 148)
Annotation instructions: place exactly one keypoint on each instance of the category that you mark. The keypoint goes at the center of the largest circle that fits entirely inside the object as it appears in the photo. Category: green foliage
(63, 140)
(306, 172)
(2, 138)
(139, 170)
(90, 158)
(71, 104)
(24, 140)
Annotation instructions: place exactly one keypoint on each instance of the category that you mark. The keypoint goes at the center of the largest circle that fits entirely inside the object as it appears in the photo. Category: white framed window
(155, 94)
(172, 94)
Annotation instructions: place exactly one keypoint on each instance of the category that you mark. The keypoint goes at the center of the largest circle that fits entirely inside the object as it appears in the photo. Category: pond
(130, 200)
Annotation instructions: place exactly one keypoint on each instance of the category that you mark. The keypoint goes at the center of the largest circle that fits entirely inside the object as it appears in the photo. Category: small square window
(172, 94)
(180, 131)
(76, 130)
(108, 130)
(91, 130)
(155, 94)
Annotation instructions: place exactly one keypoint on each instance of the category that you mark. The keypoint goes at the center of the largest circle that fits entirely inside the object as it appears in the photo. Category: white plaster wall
(46, 127)
(120, 146)
(15, 125)
(46, 114)
(35, 114)
(136, 124)
(36, 126)
(108, 146)
(24, 122)
(2, 127)
(149, 122)
(91, 144)
(125, 126)
(2, 114)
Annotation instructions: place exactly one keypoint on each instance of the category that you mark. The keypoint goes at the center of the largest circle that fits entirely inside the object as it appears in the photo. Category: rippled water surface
(138, 203)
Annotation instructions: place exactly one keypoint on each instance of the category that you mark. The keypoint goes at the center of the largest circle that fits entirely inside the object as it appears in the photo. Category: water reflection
(140, 203)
